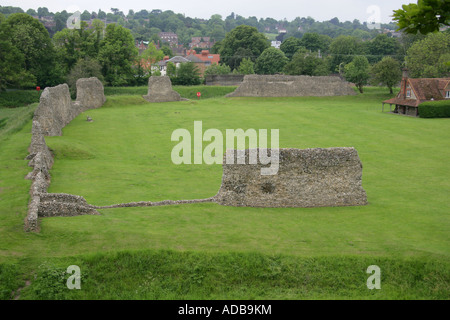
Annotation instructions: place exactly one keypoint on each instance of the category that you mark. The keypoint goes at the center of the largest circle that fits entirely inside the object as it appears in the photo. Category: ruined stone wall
(160, 90)
(55, 111)
(306, 178)
(291, 86)
(90, 93)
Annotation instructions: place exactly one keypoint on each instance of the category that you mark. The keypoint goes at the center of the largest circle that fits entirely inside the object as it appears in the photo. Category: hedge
(18, 98)
(435, 109)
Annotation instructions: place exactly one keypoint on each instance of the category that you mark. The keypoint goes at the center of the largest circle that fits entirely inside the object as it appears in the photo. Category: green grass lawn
(124, 156)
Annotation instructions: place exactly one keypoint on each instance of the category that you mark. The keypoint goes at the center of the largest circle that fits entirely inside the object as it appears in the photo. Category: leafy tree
(307, 63)
(167, 51)
(316, 42)
(12, 65)
(33, 41)
(382, 45)
(271, 61)
(290, 46)
(430, 57)
(216, 69)
(84, 68)
(187, 74)
(75, 44)
(358, 72)
(426, 16)
(246, 67)
(171, 69)
(343, 49)
(116, 55)
(243, 40)
(387, 72)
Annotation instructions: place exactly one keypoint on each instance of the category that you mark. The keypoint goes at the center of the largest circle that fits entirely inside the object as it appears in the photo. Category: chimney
(404, 82)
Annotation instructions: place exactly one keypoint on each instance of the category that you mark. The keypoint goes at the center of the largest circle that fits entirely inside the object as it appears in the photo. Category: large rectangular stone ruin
(292, 86)
(305, 178)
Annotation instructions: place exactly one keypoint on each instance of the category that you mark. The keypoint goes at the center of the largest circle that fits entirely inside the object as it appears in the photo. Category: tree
(187, 74)
(84, 68)
(307, 63)
(216, 69)
(242, 39)
(381, 46)
(290, 46)
(116, 55)
(387, 72)
(246, 67)
(358, 72)
(343, 49)
(430, 57)
(33, 41)
(12, 66)
(271, 61)
(315, 42)
(426, 16)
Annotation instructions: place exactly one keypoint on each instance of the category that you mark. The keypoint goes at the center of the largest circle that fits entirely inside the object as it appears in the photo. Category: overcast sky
(320, 10)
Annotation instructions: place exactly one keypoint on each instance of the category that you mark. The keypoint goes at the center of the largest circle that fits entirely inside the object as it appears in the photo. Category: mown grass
(124, 156)
(188, 92)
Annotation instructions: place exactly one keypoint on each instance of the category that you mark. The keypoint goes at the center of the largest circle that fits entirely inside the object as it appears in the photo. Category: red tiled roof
(425, 89)
(205, 56)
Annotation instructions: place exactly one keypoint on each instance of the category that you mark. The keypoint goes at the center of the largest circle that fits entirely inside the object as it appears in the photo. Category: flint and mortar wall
(54, 112)
(160, 90)
(291, 86)
(306, 178)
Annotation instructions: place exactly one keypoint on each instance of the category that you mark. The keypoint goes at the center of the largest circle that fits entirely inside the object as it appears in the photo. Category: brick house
(413, 92)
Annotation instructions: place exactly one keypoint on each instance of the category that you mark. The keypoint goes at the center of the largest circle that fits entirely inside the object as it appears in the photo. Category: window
(447, 96)
(408, 93)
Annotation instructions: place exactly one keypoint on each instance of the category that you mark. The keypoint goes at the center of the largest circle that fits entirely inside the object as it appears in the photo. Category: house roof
(205, 56)
(425, 89)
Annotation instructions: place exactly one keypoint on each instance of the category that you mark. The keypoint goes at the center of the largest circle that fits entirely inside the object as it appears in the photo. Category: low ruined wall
(224, 80)
(160, 90)
(305, 178)
(55, 111)
(291, 86)
(90, 93)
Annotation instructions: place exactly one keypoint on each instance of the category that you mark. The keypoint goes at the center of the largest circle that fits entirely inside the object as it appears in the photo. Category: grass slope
(124, 156)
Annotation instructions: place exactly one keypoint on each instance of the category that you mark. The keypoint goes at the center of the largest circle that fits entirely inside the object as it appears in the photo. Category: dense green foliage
(307, 63)
(430, 57)
(19, 98)
(242, 42)
(435, 109)
(187, 74)
(387, 72)
(426, 16)
(358, 72)
(270, 61)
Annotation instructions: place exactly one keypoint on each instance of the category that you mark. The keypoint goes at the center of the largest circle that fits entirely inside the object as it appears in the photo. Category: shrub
(435, 109)
(19, 98)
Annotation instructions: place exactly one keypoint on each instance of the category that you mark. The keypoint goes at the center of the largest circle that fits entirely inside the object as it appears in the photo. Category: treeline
(30, 57)
(146, 24)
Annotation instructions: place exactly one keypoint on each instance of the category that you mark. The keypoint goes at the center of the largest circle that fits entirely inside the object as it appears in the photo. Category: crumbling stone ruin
(291, 86)
(160, 90)
(56, 109)
(306, 178)
(54, 112)
(90, 93)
